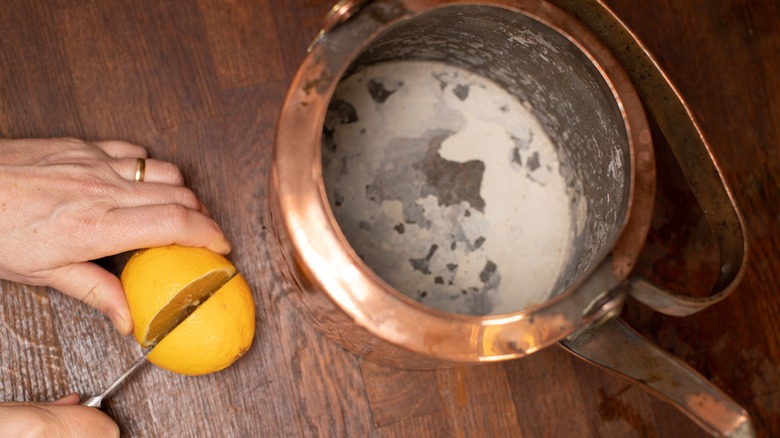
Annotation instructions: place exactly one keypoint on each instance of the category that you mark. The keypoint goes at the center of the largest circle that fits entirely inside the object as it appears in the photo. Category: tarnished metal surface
(448, 188)
(617, 348)
(325, 260)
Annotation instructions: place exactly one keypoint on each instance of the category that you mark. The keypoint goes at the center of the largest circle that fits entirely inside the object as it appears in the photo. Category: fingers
(157, 175)
(121, 149)
(159, 194)
(164, 224)
(156, 171)
(125, 159)
(129, 229)
(97, 288)
(125, 164)
(68, 400)
(46, 419)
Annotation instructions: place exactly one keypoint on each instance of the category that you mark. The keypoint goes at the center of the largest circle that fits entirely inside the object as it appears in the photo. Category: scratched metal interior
(566, 92)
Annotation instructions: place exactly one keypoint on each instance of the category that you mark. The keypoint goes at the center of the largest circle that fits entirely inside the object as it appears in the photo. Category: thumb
(70, 399)
(97, 288)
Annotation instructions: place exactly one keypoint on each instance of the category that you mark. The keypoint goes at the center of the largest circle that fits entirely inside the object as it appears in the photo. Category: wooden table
(200, 83)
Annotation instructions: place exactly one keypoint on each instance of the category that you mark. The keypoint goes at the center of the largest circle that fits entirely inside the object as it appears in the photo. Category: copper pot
(591, 111)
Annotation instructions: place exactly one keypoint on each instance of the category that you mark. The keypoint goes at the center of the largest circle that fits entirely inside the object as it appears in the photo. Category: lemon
(214, 336)
(201, 289)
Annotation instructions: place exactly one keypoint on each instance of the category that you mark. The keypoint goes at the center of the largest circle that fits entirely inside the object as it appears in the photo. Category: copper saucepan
(571, 78)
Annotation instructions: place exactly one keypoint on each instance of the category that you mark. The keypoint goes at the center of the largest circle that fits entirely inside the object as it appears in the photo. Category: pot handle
(664, 103)
(339, 13)
(617, 348)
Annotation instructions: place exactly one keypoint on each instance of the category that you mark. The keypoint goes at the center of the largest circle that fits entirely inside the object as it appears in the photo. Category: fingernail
(69, 399)
(204, 209)
(221, 246)
(121, 322)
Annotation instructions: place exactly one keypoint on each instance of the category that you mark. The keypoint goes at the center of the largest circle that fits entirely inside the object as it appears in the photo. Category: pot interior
(476, 160)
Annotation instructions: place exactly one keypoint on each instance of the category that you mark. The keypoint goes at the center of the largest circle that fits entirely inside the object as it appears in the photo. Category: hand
(65, 202)
(63, 417)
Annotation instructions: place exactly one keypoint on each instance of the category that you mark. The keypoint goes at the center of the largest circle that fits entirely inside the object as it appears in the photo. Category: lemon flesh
(214, 336)
(184, 303)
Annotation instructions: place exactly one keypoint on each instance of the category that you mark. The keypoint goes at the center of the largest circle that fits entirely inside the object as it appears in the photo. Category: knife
(96, 401)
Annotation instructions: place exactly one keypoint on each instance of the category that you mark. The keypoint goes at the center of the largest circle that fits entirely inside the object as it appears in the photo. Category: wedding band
(140, 169)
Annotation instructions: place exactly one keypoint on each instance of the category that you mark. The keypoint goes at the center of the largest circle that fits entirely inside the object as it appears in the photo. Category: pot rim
(325, 257)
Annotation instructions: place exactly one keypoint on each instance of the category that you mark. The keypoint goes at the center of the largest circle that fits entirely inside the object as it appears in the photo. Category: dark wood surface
(200, 83)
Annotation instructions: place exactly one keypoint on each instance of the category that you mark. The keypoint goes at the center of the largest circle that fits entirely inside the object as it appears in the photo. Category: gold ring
(140, 169)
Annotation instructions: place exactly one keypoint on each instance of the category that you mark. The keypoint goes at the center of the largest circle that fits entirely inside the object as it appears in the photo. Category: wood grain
(200, 83)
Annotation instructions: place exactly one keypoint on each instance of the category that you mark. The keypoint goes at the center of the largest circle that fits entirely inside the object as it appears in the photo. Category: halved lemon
(201, 290)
